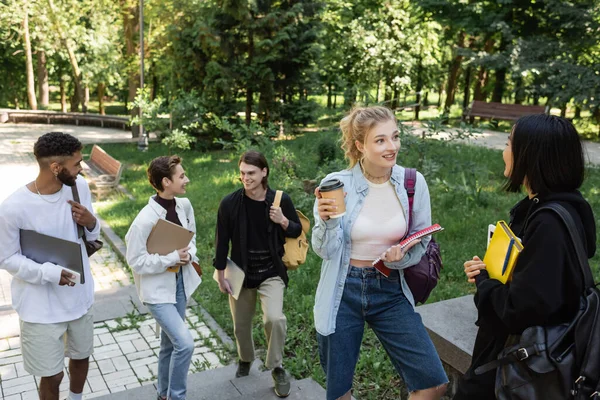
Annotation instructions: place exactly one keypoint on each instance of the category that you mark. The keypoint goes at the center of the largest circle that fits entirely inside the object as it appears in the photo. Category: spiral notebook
(502, 253)
(380, 266)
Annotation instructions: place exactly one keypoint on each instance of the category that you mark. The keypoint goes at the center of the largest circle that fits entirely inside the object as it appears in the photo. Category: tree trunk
(395, 96)
(101, 89)
(86, 98)
(249, 91)
(426, 99)
(419, 86)
(563, 110)
(467, 91)
(577, 112)
(519, 90)
(29, 61)
(131, 27)
(334, 101)
(453, 75)
(42, 75)
(154, 90)
(77, 75)
(479, 93)
(63, 95)
(329, 90)
(500, 83)
(440, 91)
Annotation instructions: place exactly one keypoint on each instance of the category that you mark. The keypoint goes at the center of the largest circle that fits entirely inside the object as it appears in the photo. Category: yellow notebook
(502, 253)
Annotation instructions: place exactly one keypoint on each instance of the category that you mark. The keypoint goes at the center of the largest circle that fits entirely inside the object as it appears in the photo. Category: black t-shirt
(168, 205)
(260, 262)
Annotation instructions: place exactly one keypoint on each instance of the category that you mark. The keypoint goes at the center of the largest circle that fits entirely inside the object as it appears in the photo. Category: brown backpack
(295, 249)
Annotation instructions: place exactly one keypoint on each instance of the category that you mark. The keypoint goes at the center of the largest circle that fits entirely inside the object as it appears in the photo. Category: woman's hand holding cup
(326, 207)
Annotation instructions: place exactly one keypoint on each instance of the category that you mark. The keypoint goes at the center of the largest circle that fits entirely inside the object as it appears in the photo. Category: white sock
(74, 396)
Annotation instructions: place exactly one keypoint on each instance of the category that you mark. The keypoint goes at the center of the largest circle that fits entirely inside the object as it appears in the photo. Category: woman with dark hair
(165, 283)
(256, 230)
(545, 156)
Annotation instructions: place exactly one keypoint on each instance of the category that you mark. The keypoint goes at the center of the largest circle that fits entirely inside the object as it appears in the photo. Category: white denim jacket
(154, 284)
(331, 240)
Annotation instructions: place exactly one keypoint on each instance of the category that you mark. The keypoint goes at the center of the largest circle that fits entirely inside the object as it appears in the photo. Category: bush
(327, 150)
(301, 112)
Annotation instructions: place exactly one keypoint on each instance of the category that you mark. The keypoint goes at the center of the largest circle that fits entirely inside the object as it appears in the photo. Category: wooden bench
(103, 171)
(48, 117)
(497, 111)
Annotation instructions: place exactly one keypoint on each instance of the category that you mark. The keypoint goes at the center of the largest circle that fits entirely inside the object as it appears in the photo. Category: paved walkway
(126, 347)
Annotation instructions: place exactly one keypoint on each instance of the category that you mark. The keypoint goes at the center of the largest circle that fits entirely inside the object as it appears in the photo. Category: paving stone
(127, 347)
(4, 345)
(96, 394)
(17, 381)
(106, 338)
(21, 369)
(14, 343)
(30, 395)
(107, 355)
(19, 388)
(106, 366)
(121, 363)
(11, 360)
(10, 353)
(106, 349)
(128, 338)
(118, 375)
(141, 354)
(8, 372)
(13, 397)
(99, 331)
(140, 344)
(143, 372)
(143, 361)
(97, 383)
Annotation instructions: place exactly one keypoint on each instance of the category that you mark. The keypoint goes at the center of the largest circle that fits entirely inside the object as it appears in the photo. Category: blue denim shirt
(331, 240)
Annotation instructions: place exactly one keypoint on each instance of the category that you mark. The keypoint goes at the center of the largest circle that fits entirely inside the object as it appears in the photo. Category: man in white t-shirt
(54, 308)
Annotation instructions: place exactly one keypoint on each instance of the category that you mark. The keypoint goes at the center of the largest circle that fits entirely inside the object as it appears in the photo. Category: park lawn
(464, 184)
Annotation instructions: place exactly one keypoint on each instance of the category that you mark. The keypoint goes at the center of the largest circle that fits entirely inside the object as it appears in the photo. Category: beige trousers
(242, 311)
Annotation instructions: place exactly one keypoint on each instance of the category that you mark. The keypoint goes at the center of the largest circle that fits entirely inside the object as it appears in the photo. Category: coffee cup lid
(331, 184)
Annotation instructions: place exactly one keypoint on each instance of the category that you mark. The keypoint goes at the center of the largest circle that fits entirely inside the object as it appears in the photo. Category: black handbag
(91, 246)
(555, 362)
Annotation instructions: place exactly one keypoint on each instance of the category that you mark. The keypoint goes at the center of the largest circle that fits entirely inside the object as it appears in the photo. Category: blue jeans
(371, 297)
(176, 345)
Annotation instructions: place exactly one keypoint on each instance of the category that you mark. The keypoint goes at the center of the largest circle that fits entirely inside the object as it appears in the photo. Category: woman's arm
(539, 283)
(420, 219)
(138, 257)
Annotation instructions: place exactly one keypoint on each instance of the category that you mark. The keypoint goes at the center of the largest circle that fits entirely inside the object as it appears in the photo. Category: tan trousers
(242, 311)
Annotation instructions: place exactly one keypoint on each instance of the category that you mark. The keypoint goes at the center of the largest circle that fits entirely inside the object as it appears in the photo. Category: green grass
(464, 184)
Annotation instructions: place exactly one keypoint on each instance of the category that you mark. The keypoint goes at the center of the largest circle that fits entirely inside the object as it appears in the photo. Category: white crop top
(379, 225)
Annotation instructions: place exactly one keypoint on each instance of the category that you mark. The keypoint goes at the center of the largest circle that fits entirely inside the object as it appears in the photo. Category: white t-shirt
(380, 224)
(36, 295)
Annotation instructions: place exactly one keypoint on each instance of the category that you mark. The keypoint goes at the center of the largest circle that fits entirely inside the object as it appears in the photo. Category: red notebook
(380, 266)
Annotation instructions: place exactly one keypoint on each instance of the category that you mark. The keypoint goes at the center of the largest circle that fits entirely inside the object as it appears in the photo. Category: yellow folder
(502, 253)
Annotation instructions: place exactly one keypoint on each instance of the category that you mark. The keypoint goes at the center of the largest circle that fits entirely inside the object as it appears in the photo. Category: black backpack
(555, 362)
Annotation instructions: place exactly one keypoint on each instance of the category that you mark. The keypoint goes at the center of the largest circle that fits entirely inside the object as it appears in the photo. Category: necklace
(42, 197)
(376, 179)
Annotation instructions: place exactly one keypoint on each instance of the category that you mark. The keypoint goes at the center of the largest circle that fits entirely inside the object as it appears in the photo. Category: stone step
(221, 384)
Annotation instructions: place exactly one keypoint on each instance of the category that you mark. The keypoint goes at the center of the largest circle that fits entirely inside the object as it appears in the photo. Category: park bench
(451, 326)
(500, 111)
(48, 117)
(103, 171)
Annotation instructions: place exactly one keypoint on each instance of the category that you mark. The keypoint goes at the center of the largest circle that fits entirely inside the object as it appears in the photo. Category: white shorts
(45, 346)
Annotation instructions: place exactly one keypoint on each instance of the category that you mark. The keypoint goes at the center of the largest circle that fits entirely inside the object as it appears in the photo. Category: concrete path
(497, 140)
(125, 343)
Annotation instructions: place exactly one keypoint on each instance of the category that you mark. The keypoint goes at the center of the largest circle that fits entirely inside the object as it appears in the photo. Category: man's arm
(17, 264)
(222, 237)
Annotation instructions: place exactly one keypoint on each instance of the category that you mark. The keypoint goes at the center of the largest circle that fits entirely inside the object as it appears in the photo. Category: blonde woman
(351, 292)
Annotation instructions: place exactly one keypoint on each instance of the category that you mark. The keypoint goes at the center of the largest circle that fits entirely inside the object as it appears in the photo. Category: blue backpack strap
(410, 180)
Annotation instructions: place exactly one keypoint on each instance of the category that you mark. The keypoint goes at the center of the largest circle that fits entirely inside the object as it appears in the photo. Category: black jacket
(545, 288)
(232, 227)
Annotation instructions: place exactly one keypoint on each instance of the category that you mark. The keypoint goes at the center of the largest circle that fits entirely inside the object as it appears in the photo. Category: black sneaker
(281, 380)
(243, 369)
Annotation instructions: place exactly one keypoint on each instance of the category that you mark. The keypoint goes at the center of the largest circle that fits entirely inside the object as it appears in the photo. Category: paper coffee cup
(334, 189)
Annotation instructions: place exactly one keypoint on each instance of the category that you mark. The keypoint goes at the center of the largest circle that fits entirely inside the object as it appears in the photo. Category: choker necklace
(42, 197)
(376, 179)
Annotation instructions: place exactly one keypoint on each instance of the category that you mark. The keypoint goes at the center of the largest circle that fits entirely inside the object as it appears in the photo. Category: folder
(235, 275)
(43, 248)
(167, 237)
(502, 253)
